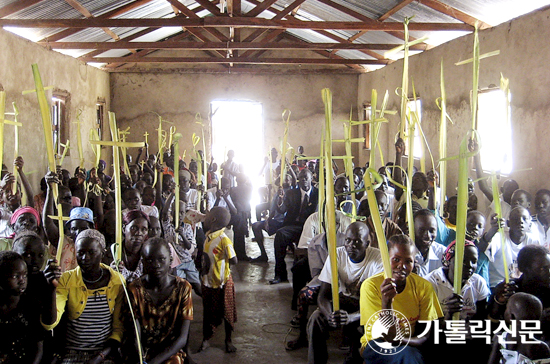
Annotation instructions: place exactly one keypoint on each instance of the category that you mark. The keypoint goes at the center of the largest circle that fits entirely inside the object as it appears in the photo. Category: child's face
(402, 261)
(542, 204)
(382, 204)
(14, 282)
(469, 265)
(475, 225)
(25, 221)
(149, 195)
(10, 199)
(154, 228)
(519, 221)
(425, 230)
(520, 199)
(132, 200)
(33, 252)
(156, 260)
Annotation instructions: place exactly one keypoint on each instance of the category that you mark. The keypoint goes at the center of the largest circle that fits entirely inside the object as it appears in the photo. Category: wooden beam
(243, 70)
(192, 14)
(197, 46)
(16, 6)
(210, 7)
(237, 22)
(111, 14)
(453, 13)
(236, 60)
(82, 10)
(280, 15)
(395, 9)
(258, 9)
(99, 51)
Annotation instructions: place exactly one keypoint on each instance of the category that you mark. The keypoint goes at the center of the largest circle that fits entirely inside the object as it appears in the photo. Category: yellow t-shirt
(418, 301)
(219, 250)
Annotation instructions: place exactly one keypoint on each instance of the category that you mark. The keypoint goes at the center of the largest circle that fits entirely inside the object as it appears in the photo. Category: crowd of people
(76, 310)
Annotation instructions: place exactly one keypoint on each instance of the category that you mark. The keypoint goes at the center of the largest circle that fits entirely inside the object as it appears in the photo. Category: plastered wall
(84, 84)
(178, 97)
(524, 53)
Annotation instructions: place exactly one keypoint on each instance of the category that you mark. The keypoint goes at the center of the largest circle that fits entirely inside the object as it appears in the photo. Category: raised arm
(397, 174)
(19, 163)
(50, 227)
(473, 146)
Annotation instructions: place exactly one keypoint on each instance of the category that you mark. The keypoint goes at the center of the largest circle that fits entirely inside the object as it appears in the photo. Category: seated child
(515, 239)
(405, 292)
(429, 252)
(475, 225)
(183, 241)
(473, 300)
(508, 348)
(218, 291)
(18, 318)
(162, 306)
(40, 286)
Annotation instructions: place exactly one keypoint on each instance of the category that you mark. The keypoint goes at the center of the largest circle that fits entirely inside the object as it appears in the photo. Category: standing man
(229, 168)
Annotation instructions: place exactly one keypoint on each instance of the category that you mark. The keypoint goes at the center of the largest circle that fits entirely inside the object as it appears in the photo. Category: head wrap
(24, 210)
(450, 252)
(92, 234)
(81, 213)
(131, 215)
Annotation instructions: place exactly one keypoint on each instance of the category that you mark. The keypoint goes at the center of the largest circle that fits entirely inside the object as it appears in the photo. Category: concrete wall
(178, 97)
(524, 52)
(84, 84)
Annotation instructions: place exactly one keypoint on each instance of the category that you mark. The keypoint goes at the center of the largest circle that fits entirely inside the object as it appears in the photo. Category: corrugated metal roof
(492, 12)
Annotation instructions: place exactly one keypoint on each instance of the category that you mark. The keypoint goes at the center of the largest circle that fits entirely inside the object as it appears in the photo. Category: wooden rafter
(111, 14)
(82, 10)
(453, 13)
(197, 46)
(192, 15)
(395, 9)
(16, 6)
(99, 51)
(236, 60)
(209, 6)
(258, 9)
(237, 22)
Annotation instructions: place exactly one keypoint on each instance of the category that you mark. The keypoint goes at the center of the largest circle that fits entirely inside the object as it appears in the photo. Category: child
(475, 226)
(510, 349)
(515, 239)
(183, 241)
(473, 299)
(404, 292)
(430, 252)
(17, 314)
(541, 221)
(163, 299)
(218, 291)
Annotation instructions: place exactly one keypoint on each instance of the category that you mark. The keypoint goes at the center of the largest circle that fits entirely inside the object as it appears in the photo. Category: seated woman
(405, 293)
(162, 306)
(135, 227)
(18, 321)
(91, 295)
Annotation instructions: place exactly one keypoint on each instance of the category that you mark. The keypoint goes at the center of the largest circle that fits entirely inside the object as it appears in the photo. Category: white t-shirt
(539, 232)
(311, 227)
(474, 290)
(432, 262)
(494, 253)
(350, 274)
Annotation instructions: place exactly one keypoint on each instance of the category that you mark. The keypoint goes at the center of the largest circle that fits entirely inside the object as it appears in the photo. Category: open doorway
(238, 126)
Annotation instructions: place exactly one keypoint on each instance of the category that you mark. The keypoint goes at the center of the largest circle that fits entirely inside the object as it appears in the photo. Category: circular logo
(385, 326)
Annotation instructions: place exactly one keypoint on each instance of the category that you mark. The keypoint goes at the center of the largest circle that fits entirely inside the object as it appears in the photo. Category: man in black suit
(298, 204)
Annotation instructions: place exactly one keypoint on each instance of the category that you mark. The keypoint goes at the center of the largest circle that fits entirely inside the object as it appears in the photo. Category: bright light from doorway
(238, 126)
